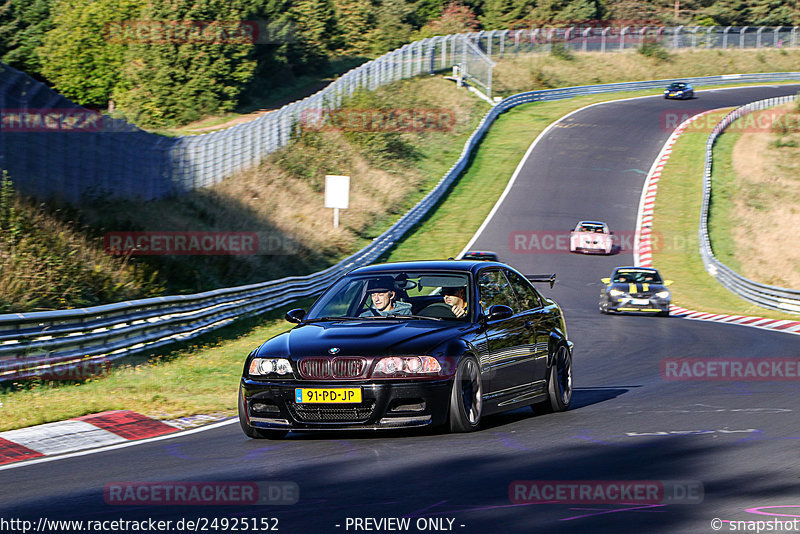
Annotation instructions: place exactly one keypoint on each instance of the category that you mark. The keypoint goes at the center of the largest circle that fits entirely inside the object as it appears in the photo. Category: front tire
(256, 433)
(466, 397)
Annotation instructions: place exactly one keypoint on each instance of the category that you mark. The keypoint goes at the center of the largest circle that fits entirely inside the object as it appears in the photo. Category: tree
(23, 24)
(316, 23)
(353, 21)
(178, 75)
(75, 54)
(455, 18)
(567, 12)
(392, 25)
(503, 14)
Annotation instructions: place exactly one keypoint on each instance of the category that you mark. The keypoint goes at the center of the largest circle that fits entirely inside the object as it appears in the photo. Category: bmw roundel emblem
(334, 350)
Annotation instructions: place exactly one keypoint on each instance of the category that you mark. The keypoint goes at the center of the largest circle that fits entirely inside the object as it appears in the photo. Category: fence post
(758, 36)
(675, 37)
(694, 37)
(775, 37)
(741, 36)
(708, 36)
(794, 36)
(725, 37)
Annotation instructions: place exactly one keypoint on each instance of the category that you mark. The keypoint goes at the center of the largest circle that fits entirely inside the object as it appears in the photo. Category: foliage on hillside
(164, 81)
(63, 263)
(46, 262)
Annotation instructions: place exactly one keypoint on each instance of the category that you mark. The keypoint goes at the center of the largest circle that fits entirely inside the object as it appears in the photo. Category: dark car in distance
(463, 340)
(485, 255)
(681, 90)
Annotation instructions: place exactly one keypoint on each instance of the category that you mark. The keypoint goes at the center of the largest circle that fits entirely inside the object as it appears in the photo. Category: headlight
(616, 293)
(663, 294)
(405, 366)
(266, 366)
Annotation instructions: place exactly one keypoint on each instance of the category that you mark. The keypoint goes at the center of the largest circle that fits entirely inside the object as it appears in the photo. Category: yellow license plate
(327, 395)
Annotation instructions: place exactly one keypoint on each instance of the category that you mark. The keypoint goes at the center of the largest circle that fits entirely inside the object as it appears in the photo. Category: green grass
(723, 179)
(676, 218)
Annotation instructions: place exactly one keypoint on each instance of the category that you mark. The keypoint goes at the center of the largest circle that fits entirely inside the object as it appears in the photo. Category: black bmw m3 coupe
(411, 344)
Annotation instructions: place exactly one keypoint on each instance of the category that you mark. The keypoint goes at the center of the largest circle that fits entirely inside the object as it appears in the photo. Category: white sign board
(337, 191)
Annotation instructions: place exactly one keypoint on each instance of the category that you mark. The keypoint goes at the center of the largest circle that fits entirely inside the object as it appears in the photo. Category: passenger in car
(456, 298)
(383, 295)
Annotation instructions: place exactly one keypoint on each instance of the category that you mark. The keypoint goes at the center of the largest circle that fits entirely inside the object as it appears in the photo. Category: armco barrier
(34, 343)
(777, 298)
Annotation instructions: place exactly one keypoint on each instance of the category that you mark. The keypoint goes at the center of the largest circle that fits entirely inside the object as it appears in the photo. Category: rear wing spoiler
(551, 278)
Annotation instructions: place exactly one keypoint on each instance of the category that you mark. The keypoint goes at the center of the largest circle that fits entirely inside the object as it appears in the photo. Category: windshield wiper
(398, 316)
(330, 318)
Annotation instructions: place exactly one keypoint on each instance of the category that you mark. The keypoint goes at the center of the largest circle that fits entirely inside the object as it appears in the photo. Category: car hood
(369, 337)
(638, 288)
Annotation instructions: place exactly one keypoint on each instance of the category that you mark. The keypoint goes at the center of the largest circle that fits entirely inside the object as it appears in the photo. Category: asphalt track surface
(738, 439)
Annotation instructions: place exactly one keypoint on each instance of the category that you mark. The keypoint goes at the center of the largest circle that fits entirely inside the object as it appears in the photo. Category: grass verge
(676, 218)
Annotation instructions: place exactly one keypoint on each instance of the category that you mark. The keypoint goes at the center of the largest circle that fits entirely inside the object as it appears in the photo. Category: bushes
(45, 263)
(561, 51)
(654, 50)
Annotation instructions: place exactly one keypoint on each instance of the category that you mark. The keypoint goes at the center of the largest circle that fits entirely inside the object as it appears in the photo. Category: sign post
(337, 195)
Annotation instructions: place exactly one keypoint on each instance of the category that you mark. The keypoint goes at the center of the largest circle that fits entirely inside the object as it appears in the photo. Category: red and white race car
(591, 237)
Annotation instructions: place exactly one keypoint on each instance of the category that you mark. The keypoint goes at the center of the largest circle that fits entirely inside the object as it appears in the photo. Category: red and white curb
(643, 251)
(87, 432)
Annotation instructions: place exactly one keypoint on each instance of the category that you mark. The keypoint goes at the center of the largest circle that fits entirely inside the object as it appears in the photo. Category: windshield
(396, 295)
(678, 86)
(635, 276)
(591, 227)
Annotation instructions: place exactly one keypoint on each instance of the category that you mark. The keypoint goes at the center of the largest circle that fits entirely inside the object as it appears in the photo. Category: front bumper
(385, 405)
(591, 249)
(631, 305)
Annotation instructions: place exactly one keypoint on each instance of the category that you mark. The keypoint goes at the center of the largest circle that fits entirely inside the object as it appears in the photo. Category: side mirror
(668, 282)
(499, 311)
(296, 315)
(606, 280)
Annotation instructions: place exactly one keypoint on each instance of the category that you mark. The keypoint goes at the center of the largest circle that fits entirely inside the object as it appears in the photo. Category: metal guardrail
(32, 344)
(777, 298)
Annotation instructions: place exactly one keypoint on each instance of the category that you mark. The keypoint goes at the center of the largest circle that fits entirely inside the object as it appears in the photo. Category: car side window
(494, 289)
(528, 297)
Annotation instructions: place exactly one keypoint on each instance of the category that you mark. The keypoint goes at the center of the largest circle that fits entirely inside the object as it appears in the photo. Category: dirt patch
(766, 205)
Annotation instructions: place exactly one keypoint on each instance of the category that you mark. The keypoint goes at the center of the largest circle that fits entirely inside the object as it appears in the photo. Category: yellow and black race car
(635, 290)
